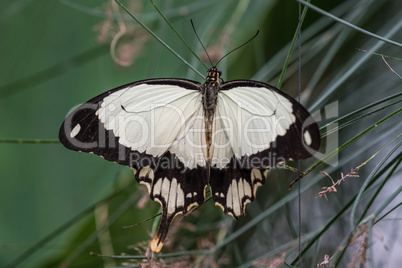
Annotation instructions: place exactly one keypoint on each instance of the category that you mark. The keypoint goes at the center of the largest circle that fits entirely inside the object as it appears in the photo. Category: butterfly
(179, 136)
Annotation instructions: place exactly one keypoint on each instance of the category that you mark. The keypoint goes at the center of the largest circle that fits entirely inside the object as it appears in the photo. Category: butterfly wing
(147, 125)
(261, 127)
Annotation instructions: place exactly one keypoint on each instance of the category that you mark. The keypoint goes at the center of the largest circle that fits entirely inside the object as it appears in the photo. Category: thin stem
(329, 15)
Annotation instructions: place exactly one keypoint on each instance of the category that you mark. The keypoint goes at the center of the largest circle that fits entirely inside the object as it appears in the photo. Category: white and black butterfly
(179, 136)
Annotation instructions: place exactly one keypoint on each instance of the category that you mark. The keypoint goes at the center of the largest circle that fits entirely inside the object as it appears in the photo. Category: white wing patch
(170, 193)
(191, 147)
(221, 149)
(157, 118)
(147, 177)
(75, 131)
(238, 196)
(240, 192)
(251, 118)
(307, 138)
(256, 179)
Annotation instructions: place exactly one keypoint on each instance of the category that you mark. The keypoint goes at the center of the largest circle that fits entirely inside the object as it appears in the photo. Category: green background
(52, 60)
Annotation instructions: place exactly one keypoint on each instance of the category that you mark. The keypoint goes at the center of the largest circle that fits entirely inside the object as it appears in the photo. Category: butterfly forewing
(267, 121)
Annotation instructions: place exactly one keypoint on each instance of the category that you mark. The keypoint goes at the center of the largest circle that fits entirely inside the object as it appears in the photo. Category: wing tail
(176, 188)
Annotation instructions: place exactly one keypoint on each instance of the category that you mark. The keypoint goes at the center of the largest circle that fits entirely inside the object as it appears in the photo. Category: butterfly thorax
(210, 88)
(209, 91)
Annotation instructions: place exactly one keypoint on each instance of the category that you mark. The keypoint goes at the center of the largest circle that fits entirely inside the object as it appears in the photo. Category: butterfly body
(209, 91)
(179, 136)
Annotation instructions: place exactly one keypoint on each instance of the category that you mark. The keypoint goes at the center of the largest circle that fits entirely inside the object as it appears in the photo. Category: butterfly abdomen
(209, 91)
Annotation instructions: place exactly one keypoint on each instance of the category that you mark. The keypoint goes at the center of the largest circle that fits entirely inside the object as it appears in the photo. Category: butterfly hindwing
(175, 187)
(233, 187)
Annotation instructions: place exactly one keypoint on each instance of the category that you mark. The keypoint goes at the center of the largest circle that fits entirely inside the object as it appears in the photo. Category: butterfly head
(213, 75)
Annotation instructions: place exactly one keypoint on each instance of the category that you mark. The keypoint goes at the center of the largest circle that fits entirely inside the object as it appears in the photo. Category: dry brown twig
(332, 188)
(361, 238)
(325, 262)
(126, 38)
(383, 58)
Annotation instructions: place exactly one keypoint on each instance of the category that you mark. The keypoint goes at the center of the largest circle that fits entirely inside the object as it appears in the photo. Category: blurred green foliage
(56, 54)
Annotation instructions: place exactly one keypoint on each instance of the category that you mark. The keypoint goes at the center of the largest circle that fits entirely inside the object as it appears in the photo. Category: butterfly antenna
(237, 47)
(192, 24)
